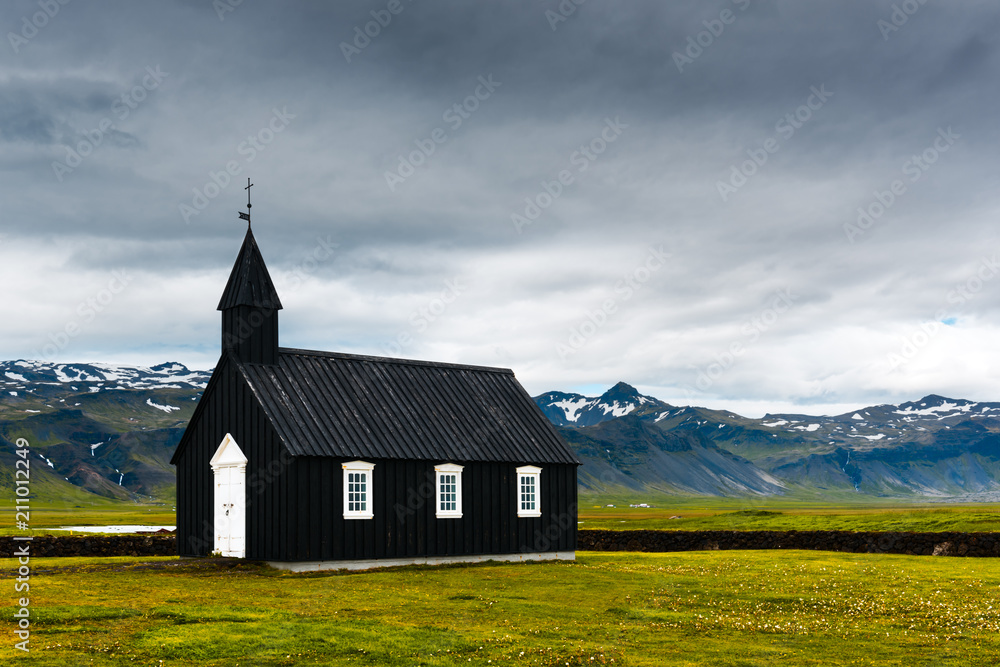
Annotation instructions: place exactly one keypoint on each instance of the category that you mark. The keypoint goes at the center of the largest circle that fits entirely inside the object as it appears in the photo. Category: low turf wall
(917, 544)
(93, 545)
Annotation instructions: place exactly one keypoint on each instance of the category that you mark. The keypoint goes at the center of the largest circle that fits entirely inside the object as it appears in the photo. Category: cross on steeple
(246, 216)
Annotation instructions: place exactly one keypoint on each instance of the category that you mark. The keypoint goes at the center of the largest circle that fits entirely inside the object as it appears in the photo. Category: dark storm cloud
(25, 123)
(37, 111)
(698, 90)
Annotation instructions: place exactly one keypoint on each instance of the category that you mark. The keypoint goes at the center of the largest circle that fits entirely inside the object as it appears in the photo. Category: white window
(529, 500)
(448, 491)
(358, 490)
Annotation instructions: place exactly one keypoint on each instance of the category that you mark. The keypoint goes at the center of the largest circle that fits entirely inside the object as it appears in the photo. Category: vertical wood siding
(295, 504)
(405, 525)
(251, 333)
(229, 408)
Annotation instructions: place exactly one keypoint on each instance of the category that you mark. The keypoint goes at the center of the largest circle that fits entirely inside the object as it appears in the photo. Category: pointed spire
(249, 283)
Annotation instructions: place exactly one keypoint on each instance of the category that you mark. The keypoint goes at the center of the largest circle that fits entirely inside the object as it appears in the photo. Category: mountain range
(934, 447)
(96, 431)
(103, 433)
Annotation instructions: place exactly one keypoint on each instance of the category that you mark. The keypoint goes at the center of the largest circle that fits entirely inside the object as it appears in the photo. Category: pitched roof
(351, 406)
(249, 283)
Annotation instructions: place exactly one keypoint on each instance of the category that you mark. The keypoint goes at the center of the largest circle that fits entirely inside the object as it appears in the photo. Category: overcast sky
(758, 205)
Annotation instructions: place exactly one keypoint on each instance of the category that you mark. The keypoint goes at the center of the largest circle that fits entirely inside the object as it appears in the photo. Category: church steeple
(250, 308)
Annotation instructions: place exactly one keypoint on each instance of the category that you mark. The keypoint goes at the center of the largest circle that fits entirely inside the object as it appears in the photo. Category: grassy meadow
(694, 514)
(733, 514)
(694, 608)
(44, 518)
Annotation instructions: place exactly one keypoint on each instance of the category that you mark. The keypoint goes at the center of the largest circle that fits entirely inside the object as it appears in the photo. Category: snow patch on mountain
(578, 410)
(166, 408)
(572, 407)
(617, 409)
(871, 438)
(935, 410)
(95, 376)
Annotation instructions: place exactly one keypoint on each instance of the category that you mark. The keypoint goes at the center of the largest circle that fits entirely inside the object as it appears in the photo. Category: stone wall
(919, 544)
(93, 545)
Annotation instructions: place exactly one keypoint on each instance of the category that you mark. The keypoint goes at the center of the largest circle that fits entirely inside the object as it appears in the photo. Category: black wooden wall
(251, 333)
(295, 505)
(405, 525)
(228, 406)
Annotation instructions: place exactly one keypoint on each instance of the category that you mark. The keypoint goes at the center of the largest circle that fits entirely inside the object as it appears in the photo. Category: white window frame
(533, 473)
(439, 472)
(359, 468)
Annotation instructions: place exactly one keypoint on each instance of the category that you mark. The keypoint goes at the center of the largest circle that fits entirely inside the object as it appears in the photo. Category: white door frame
(229, 470)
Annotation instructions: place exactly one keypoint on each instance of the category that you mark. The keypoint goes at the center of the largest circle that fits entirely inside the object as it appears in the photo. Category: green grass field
(698, 514)
(727, 514)
(44, 518)
(695, 608)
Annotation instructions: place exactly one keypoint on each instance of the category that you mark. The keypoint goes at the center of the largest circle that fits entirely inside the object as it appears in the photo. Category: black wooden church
(314, 460)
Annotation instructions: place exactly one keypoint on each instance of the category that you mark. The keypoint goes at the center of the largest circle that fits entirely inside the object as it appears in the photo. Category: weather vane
(246, 216)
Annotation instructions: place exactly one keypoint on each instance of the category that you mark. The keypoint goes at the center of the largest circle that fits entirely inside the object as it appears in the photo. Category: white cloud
(656, 184)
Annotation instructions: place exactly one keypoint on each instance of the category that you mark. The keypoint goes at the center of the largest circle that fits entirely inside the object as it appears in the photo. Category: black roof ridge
(394, 360)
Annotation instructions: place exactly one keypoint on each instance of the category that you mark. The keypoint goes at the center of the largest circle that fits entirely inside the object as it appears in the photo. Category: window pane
(528, 492)
(357, 491)
(448, 492)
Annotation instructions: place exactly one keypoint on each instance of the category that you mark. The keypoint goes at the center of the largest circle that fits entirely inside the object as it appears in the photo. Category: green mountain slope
(97, 433)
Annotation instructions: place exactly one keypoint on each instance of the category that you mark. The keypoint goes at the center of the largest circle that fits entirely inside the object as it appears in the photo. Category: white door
(229, 470)
(230, 518)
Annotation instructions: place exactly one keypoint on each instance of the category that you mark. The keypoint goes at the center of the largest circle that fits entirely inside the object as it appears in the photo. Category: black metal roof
(352, 406)
(249, 283)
